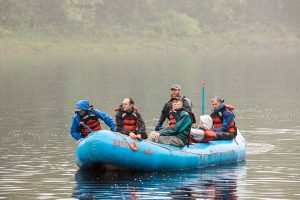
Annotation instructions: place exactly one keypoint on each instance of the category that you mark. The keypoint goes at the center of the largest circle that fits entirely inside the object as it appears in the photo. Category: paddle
(203, 88)
(85, 126)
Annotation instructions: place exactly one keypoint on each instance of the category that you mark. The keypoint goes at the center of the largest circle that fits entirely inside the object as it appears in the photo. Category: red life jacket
(208, 136)
(218, 119)
(130, 121)
(172, 121)
(91, 120)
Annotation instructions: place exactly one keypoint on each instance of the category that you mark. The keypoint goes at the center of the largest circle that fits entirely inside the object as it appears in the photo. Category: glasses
(214, 104)
(174, 90)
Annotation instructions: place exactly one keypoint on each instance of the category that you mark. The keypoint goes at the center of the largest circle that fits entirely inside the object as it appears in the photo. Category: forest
(191, 21)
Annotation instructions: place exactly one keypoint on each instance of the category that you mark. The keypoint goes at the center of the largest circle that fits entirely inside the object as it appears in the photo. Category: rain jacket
(182, 127)
(75, 127)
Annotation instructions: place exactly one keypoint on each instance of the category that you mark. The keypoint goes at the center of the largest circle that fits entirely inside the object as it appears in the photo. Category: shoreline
(13, 45)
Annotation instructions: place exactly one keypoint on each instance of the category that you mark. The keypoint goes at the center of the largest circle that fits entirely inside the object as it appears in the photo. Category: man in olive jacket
(178, 135)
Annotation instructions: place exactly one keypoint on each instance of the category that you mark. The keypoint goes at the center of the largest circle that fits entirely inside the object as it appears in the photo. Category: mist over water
(38, 94)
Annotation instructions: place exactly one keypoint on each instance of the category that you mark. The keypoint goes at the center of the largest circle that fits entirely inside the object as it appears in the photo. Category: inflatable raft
(116, 151)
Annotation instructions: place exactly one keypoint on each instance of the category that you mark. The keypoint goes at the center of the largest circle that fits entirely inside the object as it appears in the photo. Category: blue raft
(116, 151)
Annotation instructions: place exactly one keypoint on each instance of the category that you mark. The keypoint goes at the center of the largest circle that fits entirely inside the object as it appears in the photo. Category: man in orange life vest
(129, 121)
(86, 120)
(187, 105)
(223, 120)
(177, 134)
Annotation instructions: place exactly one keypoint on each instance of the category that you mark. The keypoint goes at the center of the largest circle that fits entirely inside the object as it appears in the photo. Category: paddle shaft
(203, 93)
(85, 126)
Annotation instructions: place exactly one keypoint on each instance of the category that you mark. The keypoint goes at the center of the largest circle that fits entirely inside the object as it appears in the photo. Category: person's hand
(132, 135)
(138, 136)
(158, 127)
(78, 141)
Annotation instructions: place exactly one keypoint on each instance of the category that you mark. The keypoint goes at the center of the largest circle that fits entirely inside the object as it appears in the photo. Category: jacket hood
(82, 105)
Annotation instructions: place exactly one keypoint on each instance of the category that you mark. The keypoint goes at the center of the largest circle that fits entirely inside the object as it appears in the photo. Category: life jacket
(130, 121)
(208, 135)
(218, 119)
(172, 120)
(90, 120)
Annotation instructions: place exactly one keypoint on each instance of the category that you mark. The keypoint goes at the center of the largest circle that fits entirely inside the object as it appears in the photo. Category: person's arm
(141, 126)
(108, 120)
(120, 126)
(75, 127)
(162, 117)
(187, 105)
(181, 125)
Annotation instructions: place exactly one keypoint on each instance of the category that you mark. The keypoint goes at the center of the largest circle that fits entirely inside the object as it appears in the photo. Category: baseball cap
(176, 98)
(175, 86)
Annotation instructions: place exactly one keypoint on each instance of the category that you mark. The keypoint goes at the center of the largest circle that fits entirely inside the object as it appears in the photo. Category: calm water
(38, 94)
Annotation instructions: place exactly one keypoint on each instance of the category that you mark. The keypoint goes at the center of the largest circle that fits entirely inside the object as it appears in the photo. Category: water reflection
(222, 182)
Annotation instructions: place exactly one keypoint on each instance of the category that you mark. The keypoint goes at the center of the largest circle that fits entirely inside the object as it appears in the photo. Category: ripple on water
(258, 148)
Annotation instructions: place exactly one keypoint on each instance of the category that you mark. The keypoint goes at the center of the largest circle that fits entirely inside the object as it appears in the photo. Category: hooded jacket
(75, 127)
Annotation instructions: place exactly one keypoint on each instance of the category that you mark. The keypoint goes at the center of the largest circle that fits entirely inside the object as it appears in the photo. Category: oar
(203, 88)
(85, 126)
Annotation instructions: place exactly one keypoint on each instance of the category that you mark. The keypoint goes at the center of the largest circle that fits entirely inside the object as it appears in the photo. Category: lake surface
(38, 94)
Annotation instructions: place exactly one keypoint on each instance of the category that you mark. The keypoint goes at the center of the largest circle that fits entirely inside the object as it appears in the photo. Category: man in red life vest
(175, 91)
(86, 120)
(129, 121)
(176, 135)
(223, 120)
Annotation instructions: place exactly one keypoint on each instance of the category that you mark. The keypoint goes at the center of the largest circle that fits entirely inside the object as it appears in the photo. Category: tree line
(148, 18)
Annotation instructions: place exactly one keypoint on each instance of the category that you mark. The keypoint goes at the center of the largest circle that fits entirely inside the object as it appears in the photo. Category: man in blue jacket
(86, 120)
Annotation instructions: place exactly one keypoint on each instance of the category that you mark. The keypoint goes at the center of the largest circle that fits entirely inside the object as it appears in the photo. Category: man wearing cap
(165, 113)
(178, 134)
(86, 120)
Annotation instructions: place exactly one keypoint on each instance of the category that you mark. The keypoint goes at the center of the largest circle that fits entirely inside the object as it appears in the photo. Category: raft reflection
(219, 182)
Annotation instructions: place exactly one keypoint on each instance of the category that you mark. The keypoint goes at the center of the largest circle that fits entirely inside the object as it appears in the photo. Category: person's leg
(171, 140)
(225, 136)
(151, 136)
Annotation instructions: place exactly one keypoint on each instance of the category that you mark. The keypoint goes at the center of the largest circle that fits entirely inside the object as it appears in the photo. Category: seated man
(178, 134)
(129, 121)
(175, 91)
(86, 120)
(223, 120)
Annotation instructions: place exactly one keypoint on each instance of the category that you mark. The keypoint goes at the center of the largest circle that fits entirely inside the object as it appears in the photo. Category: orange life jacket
(208, 136)
(218, 119)
(91, 121)
(130, 122)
